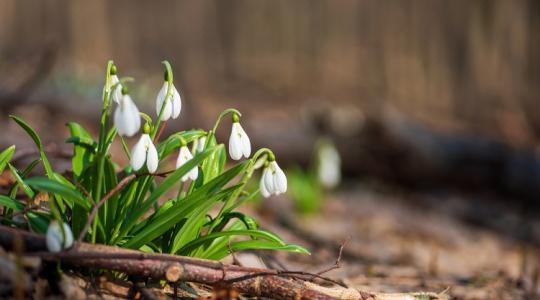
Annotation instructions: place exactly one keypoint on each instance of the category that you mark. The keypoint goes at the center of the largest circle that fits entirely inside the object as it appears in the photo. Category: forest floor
(393, 241)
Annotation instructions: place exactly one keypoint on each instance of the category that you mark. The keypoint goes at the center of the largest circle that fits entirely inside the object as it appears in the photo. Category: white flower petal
(280, 180)
(69, 236)
(152, 159)
(235, 143)
(176, 103)
(268, 180)
(119, 121)
(131, 116)
(200, 144)
(160, 99)
(138, 154)
(183, 156)
(194, 173)
(262, 186)
(246, 144)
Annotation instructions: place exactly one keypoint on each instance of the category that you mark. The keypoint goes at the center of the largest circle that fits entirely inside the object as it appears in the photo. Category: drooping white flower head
(173, 104)
(329, 165)
(126, 116)
(239, 143)
(183, 157)
(55, 240)
(273, 180)
(144, 151)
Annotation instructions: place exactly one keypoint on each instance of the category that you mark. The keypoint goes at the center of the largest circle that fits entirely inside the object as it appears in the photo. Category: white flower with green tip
(144, 151)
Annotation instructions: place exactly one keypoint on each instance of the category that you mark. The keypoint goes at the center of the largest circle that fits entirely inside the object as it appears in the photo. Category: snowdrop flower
(145, 151)
(55, 240)
(329, 168)
(126, 116)
(239, 144)
(173, 104)
(273, 180)
(183, 157)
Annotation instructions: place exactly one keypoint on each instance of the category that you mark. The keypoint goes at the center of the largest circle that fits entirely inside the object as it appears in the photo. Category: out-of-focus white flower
(144, 151)
(55, 240)
(126, 116)
(183, 157)
(173, 104)
(239, 143)
(273, 180)
(329, 165)
(199, 144)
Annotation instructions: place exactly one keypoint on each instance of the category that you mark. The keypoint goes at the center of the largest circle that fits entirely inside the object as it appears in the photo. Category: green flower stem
(212, 133)
(100, 155)
(125, 147)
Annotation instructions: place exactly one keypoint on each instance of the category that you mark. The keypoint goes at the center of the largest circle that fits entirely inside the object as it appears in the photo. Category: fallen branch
(258, 282)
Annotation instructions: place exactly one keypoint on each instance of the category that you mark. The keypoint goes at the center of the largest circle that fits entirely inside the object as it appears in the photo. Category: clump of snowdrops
(186, 210)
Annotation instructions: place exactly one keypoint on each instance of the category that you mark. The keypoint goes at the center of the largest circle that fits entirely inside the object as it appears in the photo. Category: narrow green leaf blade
(11, 203)
(61, 189)
(5, 157)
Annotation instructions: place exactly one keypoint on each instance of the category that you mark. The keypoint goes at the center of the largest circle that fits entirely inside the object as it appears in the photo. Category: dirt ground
(467, 246)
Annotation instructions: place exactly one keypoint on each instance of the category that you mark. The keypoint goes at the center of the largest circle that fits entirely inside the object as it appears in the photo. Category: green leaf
(248, 221)
(214, 164)
(188, 204)
(29, 130)
(254, 245)
(32, 133)
(5, 157)
(84, 147)
(39, 222)
(61, 189)
(27, 190)
(192, 227)
(165, 185)
(173, 142)
(169, 218)
(265, 235)
(11, 203)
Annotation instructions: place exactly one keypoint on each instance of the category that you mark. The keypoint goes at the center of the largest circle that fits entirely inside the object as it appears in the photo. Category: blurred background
(430, 103)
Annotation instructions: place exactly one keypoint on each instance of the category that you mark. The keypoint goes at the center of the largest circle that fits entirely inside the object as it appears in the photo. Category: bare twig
(337, 264)
(96, 207)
